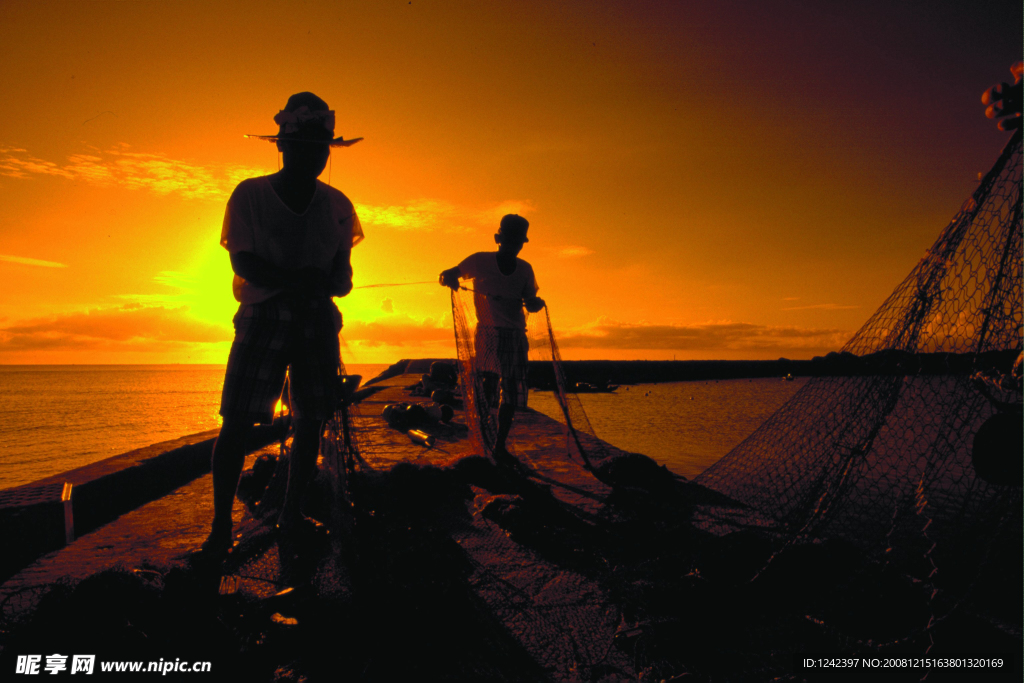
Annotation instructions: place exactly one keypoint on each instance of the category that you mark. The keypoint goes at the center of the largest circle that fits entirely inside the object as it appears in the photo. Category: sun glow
(653, 209)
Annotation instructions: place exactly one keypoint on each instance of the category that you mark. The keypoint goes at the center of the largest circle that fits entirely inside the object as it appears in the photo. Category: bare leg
(506, 411)
(228, 458)
(305, 447)
(505, 415)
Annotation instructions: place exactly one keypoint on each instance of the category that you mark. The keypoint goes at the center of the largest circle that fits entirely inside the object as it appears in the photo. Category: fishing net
(882, 452)
(481, 367)
(330, 483)
(488, 354)
(885, 450)
(431, 574)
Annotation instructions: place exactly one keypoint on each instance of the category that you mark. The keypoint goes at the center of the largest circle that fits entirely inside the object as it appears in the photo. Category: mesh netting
(885, 455)
(481, 364)
(485, 354)
(882, 453)
(402, 536)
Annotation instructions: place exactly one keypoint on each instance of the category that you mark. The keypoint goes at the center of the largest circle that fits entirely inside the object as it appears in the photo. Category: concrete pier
(44, 515)
(531, 542)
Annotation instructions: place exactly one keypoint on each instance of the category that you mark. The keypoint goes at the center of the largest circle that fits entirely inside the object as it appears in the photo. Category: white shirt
(498, 297)
(258, 222)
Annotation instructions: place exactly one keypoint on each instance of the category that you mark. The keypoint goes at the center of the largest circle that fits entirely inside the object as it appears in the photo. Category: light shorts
(504, 351)
(285, 332)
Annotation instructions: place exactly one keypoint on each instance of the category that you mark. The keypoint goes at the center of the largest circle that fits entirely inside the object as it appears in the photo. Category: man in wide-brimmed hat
(290, 237)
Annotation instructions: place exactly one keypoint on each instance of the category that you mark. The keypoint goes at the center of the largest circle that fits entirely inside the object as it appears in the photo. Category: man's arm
(340, 281)
(532, 302)
(265, 274)
(450, 278)
(341, 273)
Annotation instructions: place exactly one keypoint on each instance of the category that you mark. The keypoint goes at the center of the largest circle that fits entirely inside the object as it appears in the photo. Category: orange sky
(703, 180)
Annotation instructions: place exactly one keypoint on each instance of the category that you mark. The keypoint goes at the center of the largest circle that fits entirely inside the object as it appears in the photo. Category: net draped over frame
(881, 456)
(857, 455)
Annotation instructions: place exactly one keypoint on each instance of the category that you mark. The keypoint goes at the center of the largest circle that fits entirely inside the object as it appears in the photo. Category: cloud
(823, 307)
(153, 329)
(145, 332)
(128, 327)
(398, 330)
(120, 167)
(25, 261)
(423, 214)
(573, 252)
(175, 280)
(713, 336)
(430, 215)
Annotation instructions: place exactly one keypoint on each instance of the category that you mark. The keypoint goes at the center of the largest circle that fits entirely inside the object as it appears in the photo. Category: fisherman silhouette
(289, 237)
(502, 285)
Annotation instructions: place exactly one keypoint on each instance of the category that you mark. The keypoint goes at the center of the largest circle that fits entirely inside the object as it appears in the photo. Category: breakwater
(836, 364)
(49, 513)
(599, 372)
(541, 373)
(844, 364)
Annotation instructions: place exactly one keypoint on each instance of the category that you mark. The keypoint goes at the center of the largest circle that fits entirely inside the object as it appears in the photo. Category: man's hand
(450, 278)
(534, 304)
(1004, 100)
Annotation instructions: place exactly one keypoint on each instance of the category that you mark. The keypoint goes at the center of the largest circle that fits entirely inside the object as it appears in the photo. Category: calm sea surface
(686, 426)
(58, 418)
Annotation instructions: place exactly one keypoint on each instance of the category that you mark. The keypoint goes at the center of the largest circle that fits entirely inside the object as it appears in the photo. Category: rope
(424, 282)
(406, 284)
(396, 284)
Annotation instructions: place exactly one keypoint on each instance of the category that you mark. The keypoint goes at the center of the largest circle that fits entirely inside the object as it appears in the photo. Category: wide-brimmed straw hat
(306, 118)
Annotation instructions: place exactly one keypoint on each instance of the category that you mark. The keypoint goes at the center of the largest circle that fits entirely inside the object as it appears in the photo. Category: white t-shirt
(258, 222)
(499, 298)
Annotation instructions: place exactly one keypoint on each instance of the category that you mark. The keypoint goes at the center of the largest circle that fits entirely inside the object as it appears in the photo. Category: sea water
(60, 417)
(686, 426)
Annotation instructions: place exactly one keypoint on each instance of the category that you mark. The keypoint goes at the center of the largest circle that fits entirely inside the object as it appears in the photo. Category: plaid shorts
(284, 332)
(504, 352)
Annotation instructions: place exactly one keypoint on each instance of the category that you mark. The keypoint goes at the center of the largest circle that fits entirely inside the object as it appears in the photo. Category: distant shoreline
(600, 372)
(541, 372)
(888, 362)
(844, 364)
